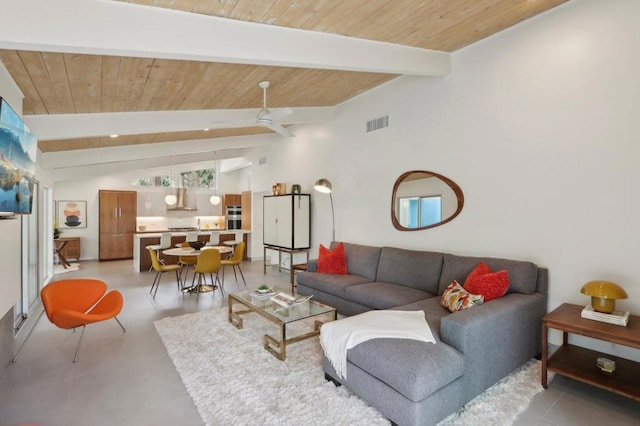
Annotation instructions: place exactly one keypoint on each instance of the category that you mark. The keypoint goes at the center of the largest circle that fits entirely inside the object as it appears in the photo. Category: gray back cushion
(522, 275)
(361, 260)
(417, 269)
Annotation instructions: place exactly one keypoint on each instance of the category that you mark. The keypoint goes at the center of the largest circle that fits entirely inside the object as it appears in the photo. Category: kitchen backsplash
(159, 223)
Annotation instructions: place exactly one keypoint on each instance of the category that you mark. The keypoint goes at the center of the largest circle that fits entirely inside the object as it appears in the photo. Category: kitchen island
(142, 260)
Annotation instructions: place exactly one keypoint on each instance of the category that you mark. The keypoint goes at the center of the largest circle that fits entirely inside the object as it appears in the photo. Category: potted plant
(56, 230)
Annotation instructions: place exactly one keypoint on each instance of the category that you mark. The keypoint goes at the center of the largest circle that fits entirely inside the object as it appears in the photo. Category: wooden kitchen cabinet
(117, 217)
(230, 200)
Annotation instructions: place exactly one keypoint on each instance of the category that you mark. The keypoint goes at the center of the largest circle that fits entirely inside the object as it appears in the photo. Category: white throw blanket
(337, 337)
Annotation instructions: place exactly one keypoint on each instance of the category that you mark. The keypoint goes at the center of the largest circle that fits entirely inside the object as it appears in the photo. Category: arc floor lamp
(324, 185)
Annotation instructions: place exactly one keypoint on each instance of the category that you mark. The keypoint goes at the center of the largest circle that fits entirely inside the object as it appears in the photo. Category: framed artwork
(71, 214)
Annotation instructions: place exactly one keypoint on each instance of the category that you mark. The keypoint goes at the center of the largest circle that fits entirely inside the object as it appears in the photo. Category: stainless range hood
(181, 203)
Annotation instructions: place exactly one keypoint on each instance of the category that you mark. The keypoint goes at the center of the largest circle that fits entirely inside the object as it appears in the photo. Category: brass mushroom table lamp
(603, 295)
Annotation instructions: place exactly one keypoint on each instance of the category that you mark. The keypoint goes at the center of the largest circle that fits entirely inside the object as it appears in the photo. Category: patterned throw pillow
(487, 283)
(332, 261)
(455, 298)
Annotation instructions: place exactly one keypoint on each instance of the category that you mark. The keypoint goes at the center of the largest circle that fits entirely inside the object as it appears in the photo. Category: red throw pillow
(489, 284)
(332, 261)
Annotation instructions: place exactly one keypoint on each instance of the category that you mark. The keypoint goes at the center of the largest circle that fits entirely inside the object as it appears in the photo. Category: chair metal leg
(242, 275)
(15, 358)
(186, 273)
(120, 324)
(75, 359)
(235, 274)
(178, 280)
(220, 284)
(157, 283)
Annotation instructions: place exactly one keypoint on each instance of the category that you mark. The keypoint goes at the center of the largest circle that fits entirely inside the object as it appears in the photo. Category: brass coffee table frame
(276, 347)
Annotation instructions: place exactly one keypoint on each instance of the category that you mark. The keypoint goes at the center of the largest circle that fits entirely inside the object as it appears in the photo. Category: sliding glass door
(31, 249)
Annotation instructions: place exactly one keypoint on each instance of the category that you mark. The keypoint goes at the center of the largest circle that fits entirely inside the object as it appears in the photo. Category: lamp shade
(323, 185)
(603, 295)
(214, 200)
(170, 199)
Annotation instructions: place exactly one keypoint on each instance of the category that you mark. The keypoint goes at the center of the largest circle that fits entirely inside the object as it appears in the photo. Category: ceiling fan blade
(278, 128)
(276, 115)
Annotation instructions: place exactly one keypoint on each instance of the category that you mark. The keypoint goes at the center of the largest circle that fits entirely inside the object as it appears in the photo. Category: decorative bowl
(197, 245)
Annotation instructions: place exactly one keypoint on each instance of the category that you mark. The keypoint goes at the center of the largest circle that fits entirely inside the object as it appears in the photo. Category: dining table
(188, 251)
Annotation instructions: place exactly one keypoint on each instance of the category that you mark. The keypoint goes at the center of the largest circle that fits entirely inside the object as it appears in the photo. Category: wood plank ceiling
(71, 83)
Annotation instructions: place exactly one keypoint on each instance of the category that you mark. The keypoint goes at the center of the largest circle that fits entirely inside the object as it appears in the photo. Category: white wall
(10, 229)
(537, 124)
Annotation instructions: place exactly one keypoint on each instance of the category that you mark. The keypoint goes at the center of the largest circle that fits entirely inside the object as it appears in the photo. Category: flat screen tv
(18, 148)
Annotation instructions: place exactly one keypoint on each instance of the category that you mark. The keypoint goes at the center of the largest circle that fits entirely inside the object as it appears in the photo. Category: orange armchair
(74, 303)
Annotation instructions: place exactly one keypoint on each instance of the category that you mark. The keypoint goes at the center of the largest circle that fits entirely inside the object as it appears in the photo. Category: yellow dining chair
(235, 260)
(161, 269)
(186, 261)
(208, 262)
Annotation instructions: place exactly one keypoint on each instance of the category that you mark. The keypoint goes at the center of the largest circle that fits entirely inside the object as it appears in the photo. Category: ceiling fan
(266, 118)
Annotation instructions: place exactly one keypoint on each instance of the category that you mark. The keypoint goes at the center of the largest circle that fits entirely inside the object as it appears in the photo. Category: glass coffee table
(280, 315)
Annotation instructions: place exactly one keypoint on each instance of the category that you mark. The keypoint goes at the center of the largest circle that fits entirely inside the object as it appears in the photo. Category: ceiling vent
(377, 123)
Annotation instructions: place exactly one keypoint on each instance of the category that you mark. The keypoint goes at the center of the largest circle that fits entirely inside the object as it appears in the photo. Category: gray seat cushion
(329, 283)
(417, 269)
(381, 295)
(522, 275)
(432, 309)
(413, 368)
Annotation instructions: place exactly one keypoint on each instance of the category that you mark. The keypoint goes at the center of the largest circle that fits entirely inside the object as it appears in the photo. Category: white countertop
(157, 234)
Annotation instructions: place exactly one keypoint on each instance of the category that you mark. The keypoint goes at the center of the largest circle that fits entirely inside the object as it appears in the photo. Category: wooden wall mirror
(423, 200)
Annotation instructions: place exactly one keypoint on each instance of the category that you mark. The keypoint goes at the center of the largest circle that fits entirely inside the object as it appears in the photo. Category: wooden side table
(580, 363)
(71, 249)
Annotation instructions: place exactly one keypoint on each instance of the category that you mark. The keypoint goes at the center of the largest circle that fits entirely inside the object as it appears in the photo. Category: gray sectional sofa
(416, 383)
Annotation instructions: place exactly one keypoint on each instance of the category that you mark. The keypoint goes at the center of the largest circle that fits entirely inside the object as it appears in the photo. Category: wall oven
(233, 217)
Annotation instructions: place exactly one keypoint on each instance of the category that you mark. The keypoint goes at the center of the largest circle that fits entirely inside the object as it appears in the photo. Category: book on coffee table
(287, 300)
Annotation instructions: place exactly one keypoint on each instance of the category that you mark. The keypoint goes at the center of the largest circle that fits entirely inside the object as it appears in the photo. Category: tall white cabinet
(287, 221)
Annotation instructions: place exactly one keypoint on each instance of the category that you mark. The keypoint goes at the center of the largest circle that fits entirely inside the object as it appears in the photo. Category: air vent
(378, 123)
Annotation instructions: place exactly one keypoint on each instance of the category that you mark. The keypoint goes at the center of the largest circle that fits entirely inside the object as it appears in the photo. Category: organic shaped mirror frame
(421, 187)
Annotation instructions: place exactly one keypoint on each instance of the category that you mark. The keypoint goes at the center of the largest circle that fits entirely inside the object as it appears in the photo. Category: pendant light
(215, 200)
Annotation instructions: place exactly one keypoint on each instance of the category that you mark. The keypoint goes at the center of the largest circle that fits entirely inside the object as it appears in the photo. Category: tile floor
(128, 379)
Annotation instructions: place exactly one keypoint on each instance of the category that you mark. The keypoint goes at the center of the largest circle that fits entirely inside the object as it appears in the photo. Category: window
(417, 212)
(206, 178)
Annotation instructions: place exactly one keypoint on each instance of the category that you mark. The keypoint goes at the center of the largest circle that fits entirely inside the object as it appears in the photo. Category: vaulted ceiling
(166, 70)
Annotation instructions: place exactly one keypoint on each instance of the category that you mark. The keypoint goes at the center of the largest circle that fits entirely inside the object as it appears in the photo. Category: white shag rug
(232, 379)
(59, 269)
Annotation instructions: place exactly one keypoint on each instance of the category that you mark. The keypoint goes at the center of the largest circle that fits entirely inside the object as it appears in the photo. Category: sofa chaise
(416, 383)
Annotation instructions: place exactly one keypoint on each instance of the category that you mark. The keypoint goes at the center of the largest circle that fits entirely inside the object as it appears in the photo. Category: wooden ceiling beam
(73, 126)
(125, 29)
(175, 151)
